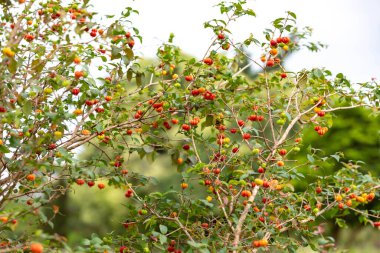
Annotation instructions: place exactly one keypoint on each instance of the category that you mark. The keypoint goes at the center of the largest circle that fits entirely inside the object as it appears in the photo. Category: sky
(350, 28)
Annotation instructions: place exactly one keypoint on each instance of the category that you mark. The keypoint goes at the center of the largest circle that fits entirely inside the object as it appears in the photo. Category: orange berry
(36, 248)
(31, 177)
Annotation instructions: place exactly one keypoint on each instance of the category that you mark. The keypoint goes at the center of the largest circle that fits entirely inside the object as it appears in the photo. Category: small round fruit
(36, 247)
(31, 177)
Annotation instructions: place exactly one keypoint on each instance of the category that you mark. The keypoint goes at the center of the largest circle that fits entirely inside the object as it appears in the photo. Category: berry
(75, 91)
(270, 63)
(208, 61)
(186, 127)
(131, 43)
(273, 43)
(246, 136)
(189, 78)
(36, 248)
(285, 40)
(80, 181)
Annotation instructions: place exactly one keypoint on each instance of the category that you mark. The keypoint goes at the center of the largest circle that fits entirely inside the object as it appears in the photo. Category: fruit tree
(72, 79)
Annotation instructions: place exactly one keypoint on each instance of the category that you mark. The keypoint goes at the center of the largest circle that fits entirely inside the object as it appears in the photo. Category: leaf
(38, 65)
(129, 53)
(3, 149)
(129, 74)
(292, 14)
(138, 79)
(163, 229)
(148, 149)
(115, 52)
(197, 245)
(12, 66)
(208, 122)
(206, 203)
(336, 157)
(125, 60)
(341, 223)
(163, 238)
(310, 158)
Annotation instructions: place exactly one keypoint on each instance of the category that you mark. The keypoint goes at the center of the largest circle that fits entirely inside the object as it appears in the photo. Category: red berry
(128, 193)
(131, 43)
(270, 63)
(321, 113)
(80, 181)
(91, 183)
(221, 36)
(246, 136)
(252, 117)
(273, 43)
(285, 40)
(208, 61)
(260, 170)
(282, 152)
(233, 130)
(284, 75)
(186, 127)
(75, 91)
(189, 78)
(122, 248)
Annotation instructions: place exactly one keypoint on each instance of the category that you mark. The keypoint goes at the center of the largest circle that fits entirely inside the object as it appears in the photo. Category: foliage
(229, 135)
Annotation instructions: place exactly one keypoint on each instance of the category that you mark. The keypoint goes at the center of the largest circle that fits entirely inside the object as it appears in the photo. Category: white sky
(351, 28)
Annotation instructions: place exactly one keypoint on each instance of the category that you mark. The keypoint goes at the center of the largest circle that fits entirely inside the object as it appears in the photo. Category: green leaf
(208, 122)
(138, 79)
(197, 245)
(163, 238)
(336, 157)
(148, 149)
(129, 74)
(4, 149)
(163, 229)
(129, 53)
(341, 223)
(12, 66)
(310, 158)
(292, 14)
(115, 52)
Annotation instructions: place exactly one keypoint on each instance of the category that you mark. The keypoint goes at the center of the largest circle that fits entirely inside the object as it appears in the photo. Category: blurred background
(350, 28)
